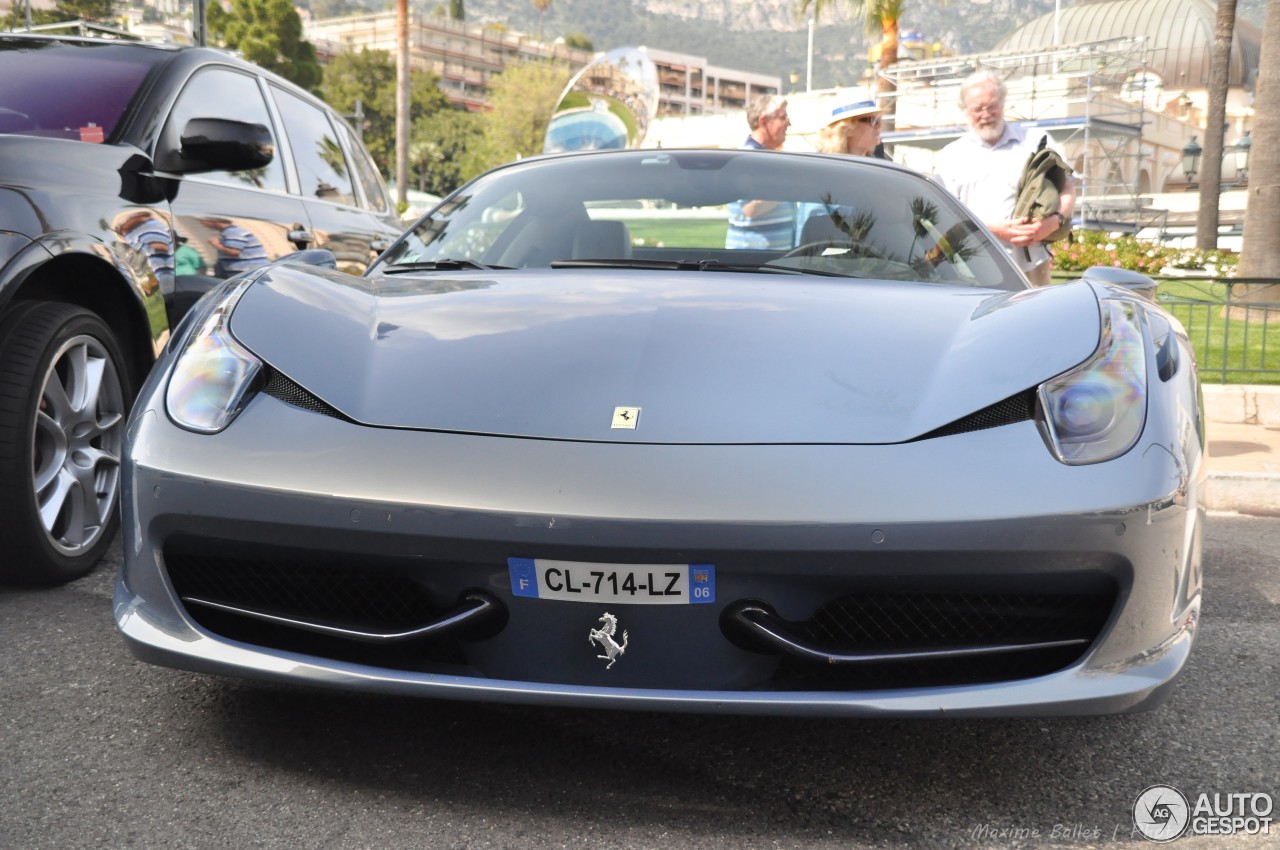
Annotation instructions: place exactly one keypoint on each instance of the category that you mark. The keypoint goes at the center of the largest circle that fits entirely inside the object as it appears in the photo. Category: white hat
(857, 109)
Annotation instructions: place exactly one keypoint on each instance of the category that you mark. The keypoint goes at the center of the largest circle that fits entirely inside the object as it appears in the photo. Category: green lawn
(679, 233)
(1237, 347)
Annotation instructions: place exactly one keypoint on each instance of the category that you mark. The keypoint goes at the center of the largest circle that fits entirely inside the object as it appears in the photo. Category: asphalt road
(98, 750)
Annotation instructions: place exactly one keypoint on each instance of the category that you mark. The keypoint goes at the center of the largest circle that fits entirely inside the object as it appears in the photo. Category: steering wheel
(839, 247)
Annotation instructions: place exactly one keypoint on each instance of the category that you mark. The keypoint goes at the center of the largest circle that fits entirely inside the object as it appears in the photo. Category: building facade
(463, 55)
(689, 85)
(466, 55)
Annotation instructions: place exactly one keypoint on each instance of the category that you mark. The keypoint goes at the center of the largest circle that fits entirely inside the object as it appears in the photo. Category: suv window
(228, 94)
(322, 167)
(50, 90)
(375, 199)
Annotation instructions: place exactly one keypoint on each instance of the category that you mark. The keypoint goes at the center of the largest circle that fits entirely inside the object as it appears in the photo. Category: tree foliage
(443, 150)
(522, 99)
(370, 77)
(267, 33)
(335, 8)
(882, 16)
(447, 147)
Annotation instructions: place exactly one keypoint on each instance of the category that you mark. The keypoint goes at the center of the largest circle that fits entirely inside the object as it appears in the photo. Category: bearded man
(982, 168)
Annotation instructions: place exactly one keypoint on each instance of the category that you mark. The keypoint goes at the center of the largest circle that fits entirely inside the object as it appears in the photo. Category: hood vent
(284, 388)
(1015, 408)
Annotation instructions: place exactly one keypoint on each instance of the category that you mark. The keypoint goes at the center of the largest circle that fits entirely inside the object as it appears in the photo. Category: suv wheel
(64, 396)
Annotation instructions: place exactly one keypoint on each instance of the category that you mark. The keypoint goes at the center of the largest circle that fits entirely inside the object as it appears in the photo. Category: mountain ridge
(769, 36)
(763, 36)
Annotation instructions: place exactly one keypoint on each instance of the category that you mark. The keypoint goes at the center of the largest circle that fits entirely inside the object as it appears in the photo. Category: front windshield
(760, 211)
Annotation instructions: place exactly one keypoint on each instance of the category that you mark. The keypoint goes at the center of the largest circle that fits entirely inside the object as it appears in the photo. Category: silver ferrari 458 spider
(707, 431)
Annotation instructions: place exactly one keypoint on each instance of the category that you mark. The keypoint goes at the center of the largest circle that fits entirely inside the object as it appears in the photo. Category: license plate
(632, 584)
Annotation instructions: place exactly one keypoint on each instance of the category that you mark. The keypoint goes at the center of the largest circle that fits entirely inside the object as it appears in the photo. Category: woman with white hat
(852, 128)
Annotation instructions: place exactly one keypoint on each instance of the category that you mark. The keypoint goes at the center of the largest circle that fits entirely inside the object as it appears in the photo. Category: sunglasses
(873, 120)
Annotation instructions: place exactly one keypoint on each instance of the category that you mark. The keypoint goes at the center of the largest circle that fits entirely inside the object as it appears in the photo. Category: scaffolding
(1098, 101)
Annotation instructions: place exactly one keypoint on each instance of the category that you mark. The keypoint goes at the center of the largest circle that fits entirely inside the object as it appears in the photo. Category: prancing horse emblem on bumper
(604, 636)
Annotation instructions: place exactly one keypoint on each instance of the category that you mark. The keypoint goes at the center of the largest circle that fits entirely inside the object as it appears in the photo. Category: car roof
(164, 49)
(73, 40)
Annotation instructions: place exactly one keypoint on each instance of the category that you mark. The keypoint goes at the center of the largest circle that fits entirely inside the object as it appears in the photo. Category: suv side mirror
(219, 144)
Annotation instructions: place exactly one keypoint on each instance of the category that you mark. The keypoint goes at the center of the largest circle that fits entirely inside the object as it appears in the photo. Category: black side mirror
(219, 144)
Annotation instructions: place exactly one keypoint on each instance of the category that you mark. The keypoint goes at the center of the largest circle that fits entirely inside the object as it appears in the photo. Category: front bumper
(794, 526)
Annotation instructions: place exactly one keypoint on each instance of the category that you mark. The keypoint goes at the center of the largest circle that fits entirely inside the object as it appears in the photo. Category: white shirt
(985, 179)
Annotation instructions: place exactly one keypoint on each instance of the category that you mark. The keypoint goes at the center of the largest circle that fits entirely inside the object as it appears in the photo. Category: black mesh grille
(1016, 408)
(894, 620)
(882, 621)
(318, 588)
(284, 388)
(331, 593)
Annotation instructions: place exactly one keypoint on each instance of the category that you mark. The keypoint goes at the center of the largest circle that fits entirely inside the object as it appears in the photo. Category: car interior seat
(601, 240)
(821, 228)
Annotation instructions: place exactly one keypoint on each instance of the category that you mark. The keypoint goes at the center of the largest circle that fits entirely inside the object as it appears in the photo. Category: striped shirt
(773, 227)
(250, 251)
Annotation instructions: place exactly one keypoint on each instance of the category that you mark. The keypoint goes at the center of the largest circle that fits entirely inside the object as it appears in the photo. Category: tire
(65, 391)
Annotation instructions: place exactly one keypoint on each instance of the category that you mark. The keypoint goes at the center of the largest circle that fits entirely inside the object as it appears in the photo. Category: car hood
(706, 357)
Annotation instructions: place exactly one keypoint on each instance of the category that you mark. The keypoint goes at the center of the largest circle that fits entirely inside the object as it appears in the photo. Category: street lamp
(357, 119)
(1240, 150)
(1191, 160)
(1242, 157)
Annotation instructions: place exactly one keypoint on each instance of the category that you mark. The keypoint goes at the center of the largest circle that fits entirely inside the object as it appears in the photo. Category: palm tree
(881, 16)
(1215, 118)
(1260, 255)
(542, 6)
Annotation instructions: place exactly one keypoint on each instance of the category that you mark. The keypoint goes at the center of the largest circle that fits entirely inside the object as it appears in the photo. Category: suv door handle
(301, 237)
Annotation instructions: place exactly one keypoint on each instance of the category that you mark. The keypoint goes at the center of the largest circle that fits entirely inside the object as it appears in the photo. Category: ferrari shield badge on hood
(626, 417)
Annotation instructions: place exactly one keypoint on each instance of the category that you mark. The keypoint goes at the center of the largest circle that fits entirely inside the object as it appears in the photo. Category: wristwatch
(1062, 219)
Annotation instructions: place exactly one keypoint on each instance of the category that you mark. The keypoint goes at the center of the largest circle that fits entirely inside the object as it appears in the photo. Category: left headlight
(214, 376)
(1097, 411)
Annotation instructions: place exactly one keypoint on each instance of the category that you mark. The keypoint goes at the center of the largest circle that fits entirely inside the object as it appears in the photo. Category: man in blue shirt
(238, 249)
(150, 234)
(763, 224)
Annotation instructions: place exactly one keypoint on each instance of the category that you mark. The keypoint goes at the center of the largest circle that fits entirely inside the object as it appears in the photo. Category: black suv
(134, 178)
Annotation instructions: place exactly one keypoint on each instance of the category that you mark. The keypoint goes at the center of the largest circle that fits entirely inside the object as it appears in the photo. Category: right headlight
(214, 376)
(1097, 411)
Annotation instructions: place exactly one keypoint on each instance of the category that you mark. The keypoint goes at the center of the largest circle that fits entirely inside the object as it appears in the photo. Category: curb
(1253, 493)
(1242, 404)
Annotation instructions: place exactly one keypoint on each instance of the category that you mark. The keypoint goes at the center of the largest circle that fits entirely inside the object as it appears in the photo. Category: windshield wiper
(449, 264)
(671, 265)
